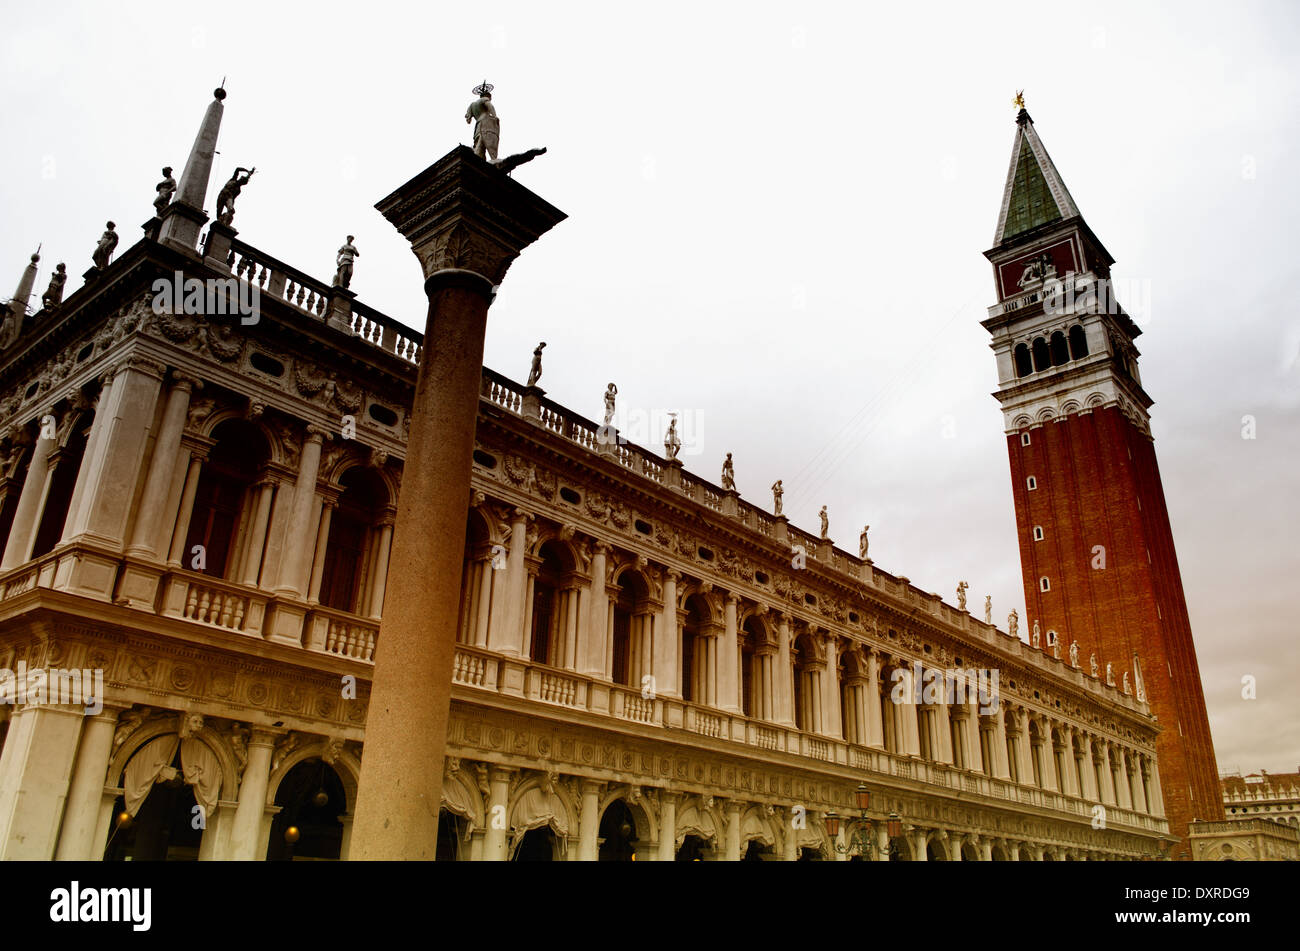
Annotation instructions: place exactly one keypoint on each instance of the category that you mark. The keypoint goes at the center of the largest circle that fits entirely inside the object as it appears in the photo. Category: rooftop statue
(347, 254)
(487, 127)
(988, 609)
(863, 544)
(611, 391)
(961, 595)
(728, 475)
(777, 492)
(53, 295)
(104, 249)
(1074, 653)
(1013, 623)
(826, 523)
(166, 188)
(672, 441)
(229, 192)
(535, 371)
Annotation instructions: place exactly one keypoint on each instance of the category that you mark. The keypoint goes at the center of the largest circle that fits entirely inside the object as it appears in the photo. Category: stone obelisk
(466, 221)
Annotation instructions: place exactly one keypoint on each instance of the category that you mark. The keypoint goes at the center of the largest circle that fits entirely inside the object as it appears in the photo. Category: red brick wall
(1099, 484)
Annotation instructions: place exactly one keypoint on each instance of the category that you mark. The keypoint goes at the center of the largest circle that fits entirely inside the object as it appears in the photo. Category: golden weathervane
(1020, 99)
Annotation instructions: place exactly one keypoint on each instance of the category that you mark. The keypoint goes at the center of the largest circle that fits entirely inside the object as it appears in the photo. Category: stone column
(908, 711)
(510, 637)
(953, 845)
(784, 678)
(81, 815)
(589, 821)
(733, 810)
(1107, 780)
(1023, 752)
(381, 568)
(318, 556)
(1088, 771)
(882, 843)
(986, 850)
(728, 659)
(1047, 756)
(831, 721)
(597, 639)
(251, 569)
(667, 643)
(246, 834)
(974, 759)
(148, 538)
(667, 826)
(1001, 765)
(875, 728)
(295, 571)
(1070, 781)
(1156, 794)
(942, 725)
(919, 853)
(498, 814)
(23, 531)
(35, 770)
(176, 554)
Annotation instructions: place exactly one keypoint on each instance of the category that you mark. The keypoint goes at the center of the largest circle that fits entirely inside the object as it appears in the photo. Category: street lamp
(863, 841)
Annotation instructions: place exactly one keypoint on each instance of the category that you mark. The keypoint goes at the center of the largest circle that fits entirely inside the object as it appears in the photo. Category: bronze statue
(229, 192)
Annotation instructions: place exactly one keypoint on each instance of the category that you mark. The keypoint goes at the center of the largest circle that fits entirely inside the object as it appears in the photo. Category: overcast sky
(776, 219)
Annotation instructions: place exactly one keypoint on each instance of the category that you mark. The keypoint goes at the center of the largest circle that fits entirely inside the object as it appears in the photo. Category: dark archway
(63, 481)
(348, 559)
(537, 845)
(163, 830)
(756, 851)
(311, 800)
(451, 832)
(1024, 365)
(1078, 342)
(618, 833)
(224, 496)
(692, 849)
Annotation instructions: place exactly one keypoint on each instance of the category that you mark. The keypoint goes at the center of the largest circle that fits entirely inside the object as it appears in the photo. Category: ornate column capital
(181, 380)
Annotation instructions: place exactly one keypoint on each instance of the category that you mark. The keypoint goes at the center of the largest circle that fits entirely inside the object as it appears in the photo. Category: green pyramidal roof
(1035, 194)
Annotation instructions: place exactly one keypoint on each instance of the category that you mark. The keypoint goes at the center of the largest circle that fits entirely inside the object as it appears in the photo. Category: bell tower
(1096, 548)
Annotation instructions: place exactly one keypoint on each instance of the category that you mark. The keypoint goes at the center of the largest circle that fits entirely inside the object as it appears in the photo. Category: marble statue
(1056, 645)
(104, 250)
(535, 371)
(863, 544)
(988, 609)
(777, 493)
(961, 595)
(166, 188)
(728, 475)
(1013, 623)
(1074, 654)
(1037, 638)
(672, 441)
(53, 295)
(229, 192)
(1110, 674)
(487, 127)
(1127, 689)
(347, 254)
(826, 523)
(611, 391)
(1092, 662)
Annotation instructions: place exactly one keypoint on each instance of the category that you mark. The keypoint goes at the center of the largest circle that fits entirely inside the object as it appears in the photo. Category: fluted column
(875, 729)
(318, 555)
(667, 666)
(1070, 779)
(1088, 770)
(783, 679)
(251, 569)
(246, 833)
(831, 721)
(1001, 762)
(497, 817)
(1047, 756)
(597, 628)
(148, 539)
(728, 659)
(1107, 778)
(176, 554)
(909, 711)
(971, 731)
(1023, 752)
(295, 571)
(511, 636)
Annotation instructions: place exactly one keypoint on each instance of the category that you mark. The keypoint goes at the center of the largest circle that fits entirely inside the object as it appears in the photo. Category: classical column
(1107, 779)
(783, 682)
(1088, 770)
(942, 724)
(882, 843)
(1136, 802)
(176, 553)
(22, 533)
(245, 835)
(147, 539)
(318, 556)
(1070, 779)
(598, 632)
(295, 569)
(953, 845)
(467, 222)
(1023, 752)
(251, 570)
(875, 729)
(831, 723)
(510, 637)
(496, 815)
(482, 595)
(919, 852)
(1047, 756)
(909, 711)
(667, 667)
(728, 659)
(1157, 795)
(733, 811)
(381, 569)
(35, 770)
(667, 826)
(986, 849)
(589, 821)
(81, 814)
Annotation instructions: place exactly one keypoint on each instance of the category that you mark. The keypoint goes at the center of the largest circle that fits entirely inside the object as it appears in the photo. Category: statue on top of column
(961, 595)
(777, 492)
(672, 441)
(166, 188)
(229, 192)
(535, 371)
(347, 254)
(728, 475)
(487, 127)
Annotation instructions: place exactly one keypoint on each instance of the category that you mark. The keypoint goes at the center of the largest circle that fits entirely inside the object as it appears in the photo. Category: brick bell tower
(1096, 548)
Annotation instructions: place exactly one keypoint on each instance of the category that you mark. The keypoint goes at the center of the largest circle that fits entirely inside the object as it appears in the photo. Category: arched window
(1013, 738)
(807, 686)
(65, 463)
(549, 626)
(696, 682)
(311, 800)
(1060, 350)
(633, 630)
(348, 578)
(1024, 365)
(1038, 533)
(1078, 342)
(226, 500)
(1042, 356)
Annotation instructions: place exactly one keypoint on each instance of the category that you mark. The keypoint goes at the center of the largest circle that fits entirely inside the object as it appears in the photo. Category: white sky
(777, 214)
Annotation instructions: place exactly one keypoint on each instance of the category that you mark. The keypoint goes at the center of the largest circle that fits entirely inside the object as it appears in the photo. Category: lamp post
(863, 841)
